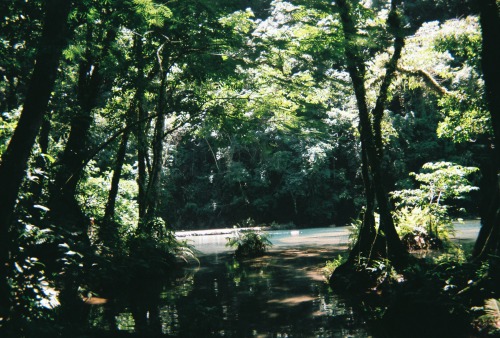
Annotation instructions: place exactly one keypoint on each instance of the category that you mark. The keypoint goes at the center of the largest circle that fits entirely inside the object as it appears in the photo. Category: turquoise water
(281, 239)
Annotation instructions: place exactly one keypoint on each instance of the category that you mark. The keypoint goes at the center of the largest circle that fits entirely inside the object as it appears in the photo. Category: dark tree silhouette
(488, 241)
(15, 159)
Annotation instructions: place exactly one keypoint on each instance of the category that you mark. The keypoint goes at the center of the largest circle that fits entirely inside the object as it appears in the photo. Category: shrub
(156, 249)
(490, 321)
(414, 224)
(330, 266)
(422, 213)
(282, 226)
(249, 243)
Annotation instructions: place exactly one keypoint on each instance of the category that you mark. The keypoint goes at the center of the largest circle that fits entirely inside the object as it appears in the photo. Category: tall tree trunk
(153, 188)
(140, 130)
(395, 247)
(108, 230)
(65, 210)
(488, 242)
(109, 210)
(142, 155)
(371, 139)
(15, 159)
(357, 72)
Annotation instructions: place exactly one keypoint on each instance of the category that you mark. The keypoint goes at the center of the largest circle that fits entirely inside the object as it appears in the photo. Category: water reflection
(279, 295)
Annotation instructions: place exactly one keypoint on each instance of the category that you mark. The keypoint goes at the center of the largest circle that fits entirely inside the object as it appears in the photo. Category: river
(282, 294)
(214, 241)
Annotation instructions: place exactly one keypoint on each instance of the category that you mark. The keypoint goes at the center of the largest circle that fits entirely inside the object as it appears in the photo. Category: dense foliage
(249, 243)
(123, 121)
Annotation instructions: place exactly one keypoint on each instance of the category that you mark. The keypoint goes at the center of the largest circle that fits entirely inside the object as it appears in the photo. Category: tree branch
(427, 78)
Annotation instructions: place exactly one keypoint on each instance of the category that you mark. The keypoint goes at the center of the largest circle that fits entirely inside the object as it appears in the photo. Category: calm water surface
(282, 294)
(312, 238)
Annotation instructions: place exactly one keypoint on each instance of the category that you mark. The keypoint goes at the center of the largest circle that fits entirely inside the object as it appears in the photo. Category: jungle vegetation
(125, 120)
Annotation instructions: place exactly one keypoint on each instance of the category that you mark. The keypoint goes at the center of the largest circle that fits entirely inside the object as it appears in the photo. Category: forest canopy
(124, 121)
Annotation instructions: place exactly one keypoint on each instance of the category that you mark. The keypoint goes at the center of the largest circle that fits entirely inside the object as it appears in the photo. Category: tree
(15, 158)
(281, 138)
(91, 82)
(386, 243)
(488, 242)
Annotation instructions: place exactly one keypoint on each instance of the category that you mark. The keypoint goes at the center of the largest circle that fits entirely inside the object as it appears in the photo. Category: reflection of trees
(154, 302)
(145, 306)
(148, 305)
(269, 295)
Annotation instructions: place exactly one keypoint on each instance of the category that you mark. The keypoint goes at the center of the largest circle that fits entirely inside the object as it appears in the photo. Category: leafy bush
(330, 266)
(157, 248)
(93, 194)
(421, 214)
(413, 224)
(249, 243)
(453, 256)
(283, 226)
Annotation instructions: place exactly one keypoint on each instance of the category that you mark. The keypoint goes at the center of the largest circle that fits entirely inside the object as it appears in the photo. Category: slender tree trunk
(15, 159)
(109, 211)
(140, 131)
(142, 154)
(153, 190)
(108, 231)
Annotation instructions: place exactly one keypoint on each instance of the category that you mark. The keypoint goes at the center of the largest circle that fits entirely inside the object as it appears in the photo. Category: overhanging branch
(429, 80)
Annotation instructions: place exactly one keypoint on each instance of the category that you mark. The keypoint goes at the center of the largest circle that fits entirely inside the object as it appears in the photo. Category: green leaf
(49, 158)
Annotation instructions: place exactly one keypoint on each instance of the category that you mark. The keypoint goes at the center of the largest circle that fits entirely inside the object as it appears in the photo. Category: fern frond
(492, 308)
(492, 311)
